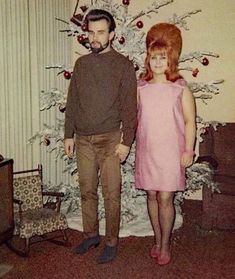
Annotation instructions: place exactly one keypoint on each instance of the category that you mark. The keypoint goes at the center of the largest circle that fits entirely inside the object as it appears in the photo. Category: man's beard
(99, 49)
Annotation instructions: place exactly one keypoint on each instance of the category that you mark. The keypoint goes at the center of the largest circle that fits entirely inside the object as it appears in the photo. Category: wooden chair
(218, 149)
(33, 218)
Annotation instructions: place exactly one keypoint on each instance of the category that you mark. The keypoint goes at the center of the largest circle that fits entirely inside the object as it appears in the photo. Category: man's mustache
(95, 42)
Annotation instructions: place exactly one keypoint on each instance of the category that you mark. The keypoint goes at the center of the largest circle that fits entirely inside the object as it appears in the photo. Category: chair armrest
(208, 159)
(53, 194)
(19, 203)
(54, 205)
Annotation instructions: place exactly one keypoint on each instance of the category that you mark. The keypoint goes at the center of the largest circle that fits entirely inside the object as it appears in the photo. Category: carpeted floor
(4, 269)
(196, 254)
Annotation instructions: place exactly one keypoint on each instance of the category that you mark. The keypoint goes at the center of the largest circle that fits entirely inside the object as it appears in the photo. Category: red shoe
(164, 260)
(155, 251)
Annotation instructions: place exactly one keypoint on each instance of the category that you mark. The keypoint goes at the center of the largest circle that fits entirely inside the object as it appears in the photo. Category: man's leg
(110, 174)
(88, 182)
(111, 188)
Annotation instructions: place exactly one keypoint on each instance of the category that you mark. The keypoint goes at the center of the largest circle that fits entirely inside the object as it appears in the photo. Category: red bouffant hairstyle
(164, 38)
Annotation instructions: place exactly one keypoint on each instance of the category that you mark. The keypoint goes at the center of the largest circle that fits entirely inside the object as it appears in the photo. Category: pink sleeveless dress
(160, 139)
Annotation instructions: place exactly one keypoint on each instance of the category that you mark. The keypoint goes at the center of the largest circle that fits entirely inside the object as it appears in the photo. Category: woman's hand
(186, 159)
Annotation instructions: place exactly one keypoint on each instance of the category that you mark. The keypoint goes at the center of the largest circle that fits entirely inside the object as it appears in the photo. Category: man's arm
(189, 113)
(128, 100)
(70, 113)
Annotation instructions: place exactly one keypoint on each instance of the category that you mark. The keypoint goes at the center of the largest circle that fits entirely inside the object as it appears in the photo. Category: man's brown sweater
(102, 94)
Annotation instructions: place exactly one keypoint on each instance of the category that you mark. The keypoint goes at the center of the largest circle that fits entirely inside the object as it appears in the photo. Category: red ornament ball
(46, 141)
(136, 66)
(195, 72)
(121, 40)
(80, 38)
(205, 61)
(126, 2)
(62, 108)
(67, 75)
(140, 24)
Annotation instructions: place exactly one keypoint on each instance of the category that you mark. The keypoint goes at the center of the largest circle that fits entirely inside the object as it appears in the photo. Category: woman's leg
(166, 219)
(153, 214)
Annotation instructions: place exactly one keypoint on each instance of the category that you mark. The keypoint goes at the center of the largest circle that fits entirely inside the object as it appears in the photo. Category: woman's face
(158, 62)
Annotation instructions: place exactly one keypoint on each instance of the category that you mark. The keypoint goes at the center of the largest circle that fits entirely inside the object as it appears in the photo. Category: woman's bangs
(159, 51)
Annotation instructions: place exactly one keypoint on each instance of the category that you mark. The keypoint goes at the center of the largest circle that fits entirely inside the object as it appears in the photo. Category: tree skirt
(139, 226)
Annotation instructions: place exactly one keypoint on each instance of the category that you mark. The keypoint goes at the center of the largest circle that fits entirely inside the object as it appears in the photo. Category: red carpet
(196, 254)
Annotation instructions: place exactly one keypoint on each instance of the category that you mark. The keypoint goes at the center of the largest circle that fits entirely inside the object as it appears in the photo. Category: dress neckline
(153, 83)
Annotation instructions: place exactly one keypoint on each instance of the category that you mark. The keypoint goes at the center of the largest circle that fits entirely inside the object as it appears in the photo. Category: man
(101, 99)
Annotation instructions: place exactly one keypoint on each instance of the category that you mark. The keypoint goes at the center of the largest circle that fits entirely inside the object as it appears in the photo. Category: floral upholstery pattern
(34, 219)
(28, 189)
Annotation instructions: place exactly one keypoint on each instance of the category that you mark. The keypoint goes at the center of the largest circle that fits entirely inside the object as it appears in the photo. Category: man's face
(99, 36)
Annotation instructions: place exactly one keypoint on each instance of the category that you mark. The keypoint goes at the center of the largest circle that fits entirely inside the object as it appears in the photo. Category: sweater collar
(104, 55)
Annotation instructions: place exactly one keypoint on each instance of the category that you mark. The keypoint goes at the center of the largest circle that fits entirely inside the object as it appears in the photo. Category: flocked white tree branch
(180, 20)
(196, 55)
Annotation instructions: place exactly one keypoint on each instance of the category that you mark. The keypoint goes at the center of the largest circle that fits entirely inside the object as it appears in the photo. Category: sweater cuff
(128, 138)
(68, 135)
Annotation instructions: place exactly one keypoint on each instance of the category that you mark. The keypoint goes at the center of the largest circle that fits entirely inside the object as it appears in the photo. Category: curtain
(30, 40)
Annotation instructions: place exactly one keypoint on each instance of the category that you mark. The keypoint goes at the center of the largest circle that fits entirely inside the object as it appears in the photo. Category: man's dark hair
(98, 14)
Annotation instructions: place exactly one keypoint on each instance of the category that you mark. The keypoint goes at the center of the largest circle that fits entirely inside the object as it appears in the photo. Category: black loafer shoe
(87, 244)
(107, 255)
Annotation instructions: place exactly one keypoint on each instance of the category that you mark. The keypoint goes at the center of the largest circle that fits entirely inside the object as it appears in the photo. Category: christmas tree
(130, 41)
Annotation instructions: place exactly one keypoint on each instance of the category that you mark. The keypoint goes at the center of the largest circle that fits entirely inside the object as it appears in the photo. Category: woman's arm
(189, 113)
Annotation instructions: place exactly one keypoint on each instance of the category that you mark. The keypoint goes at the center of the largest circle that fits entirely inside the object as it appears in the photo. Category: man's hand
(122, 151)
(69, 147)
